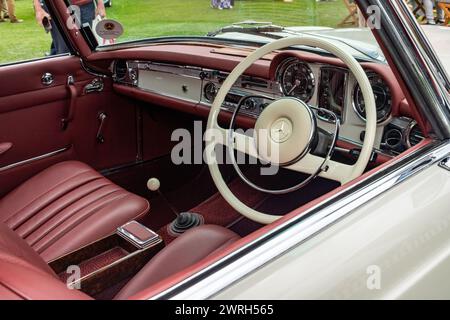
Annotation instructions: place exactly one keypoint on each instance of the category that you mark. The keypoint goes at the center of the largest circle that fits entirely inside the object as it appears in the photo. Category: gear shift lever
(184, 220)
(153, 184)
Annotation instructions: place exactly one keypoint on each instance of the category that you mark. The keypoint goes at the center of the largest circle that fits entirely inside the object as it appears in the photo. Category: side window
(27, 32)
(434, 18)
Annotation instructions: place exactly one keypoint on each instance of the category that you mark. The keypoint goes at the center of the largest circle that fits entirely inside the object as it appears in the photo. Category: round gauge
(210, 91)
(382, 94)
(297, 80)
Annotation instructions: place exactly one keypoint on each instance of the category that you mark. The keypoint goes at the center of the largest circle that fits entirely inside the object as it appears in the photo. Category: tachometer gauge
(297, 80)
(383, 98)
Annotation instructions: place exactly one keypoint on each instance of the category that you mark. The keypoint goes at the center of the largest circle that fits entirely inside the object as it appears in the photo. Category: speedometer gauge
(382, 94)
(297, 80)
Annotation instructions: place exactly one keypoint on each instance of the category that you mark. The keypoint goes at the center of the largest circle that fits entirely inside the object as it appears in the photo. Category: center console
(110, 261)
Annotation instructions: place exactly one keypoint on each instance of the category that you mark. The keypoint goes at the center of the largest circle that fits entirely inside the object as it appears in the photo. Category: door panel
(31, 114)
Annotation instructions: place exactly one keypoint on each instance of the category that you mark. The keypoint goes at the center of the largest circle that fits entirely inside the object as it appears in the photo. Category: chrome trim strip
(171, 96)
(89, 71)
(223, 273)
(183, 70)
(43, 156)
(132, 238)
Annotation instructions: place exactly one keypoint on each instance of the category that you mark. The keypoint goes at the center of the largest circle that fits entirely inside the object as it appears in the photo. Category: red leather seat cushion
(66, 207)
(190, 248)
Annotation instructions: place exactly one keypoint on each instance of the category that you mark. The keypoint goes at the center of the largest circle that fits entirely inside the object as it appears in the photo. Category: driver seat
(24, 275)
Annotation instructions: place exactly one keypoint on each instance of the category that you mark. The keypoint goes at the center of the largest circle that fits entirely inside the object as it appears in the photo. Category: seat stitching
(13, 290)
(54, 239)
(47, 192)
(73, 201)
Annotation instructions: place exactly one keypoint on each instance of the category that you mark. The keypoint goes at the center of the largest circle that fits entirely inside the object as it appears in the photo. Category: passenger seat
(67, 206)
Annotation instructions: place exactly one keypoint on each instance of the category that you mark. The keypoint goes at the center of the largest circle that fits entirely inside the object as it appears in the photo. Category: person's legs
(429, 10)
(429, 13)
(440, 12)
(87, 12)
(3, 10)
(11, 4)
(58, 45)
(413, 3)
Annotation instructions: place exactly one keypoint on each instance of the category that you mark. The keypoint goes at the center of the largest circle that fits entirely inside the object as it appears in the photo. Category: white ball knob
(153, 184)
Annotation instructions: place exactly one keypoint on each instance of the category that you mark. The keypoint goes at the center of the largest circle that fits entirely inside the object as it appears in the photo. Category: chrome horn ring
(300, 185)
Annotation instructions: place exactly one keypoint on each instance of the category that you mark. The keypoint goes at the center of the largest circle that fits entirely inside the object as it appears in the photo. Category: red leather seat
(67, 206)
(193, 246)
(24, 275)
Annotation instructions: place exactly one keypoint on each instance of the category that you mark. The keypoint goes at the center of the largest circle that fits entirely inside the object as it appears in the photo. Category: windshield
(244, 20)
(156, 18)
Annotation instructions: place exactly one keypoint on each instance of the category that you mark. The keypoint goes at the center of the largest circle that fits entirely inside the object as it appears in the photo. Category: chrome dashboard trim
(171, 96)
(230, 269)
(167, 68)
(26, 161)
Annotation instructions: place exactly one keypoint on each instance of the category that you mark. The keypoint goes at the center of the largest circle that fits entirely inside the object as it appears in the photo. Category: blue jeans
(59, 46)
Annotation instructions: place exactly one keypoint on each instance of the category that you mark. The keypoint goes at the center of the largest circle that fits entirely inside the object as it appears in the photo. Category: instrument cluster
(297, 79)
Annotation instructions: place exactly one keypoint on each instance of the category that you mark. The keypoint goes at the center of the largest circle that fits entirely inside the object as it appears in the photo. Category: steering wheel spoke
(329, 169)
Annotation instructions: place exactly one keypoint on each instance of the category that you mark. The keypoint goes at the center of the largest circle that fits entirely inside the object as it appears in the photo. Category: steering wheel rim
(336, 171)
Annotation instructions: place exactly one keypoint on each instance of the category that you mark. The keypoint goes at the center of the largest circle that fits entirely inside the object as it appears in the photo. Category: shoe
(429, 22)
(17, 21)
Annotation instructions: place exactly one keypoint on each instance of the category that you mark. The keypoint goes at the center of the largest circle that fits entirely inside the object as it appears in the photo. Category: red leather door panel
(31, 114)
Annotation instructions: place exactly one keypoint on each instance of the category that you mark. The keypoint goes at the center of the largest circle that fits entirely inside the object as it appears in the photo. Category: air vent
(393, 138)
(415, 136)
(120, 70)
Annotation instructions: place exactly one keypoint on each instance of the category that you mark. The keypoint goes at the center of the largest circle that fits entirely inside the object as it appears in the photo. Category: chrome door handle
(47, 79)
(95, 86)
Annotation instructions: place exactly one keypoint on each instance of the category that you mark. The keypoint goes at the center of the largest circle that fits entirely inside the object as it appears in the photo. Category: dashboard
(318, 83)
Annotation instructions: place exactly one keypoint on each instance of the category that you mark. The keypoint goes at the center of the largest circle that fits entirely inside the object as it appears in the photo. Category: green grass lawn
(148, 18)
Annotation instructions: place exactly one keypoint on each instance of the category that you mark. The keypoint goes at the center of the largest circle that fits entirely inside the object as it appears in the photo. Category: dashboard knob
(250, 104)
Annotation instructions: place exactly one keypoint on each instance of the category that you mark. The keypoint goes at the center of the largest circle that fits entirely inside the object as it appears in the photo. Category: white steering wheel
(285, 128)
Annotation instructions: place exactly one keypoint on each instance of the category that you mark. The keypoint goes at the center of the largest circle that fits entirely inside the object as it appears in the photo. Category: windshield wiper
(251, 27)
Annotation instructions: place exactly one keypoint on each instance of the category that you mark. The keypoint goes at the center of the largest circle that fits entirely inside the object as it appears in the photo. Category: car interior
(87, 176)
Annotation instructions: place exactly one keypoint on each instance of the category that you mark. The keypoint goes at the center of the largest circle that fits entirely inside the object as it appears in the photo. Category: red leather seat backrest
(13, 248)
(25, 275)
